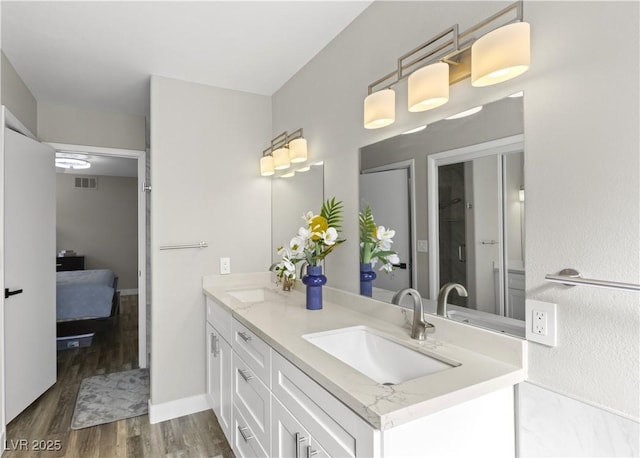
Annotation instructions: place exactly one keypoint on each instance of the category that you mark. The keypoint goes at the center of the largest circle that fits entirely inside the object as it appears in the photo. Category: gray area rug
(111, 397)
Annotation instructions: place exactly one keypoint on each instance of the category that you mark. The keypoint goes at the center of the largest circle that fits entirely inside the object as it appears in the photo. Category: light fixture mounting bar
(281, 140)
(455, 50)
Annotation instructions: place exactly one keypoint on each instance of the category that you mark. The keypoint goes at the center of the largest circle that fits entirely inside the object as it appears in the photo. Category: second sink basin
(248, 295)
(375, 356)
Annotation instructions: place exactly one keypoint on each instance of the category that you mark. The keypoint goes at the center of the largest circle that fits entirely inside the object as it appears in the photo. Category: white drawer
(255, 352)
(516, 281)
(253, 399)
(219, 318)
(332, 425)
(245, 444)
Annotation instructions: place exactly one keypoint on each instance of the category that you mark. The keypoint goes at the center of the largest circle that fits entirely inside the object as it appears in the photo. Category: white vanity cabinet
(270, 407)
(219, 376)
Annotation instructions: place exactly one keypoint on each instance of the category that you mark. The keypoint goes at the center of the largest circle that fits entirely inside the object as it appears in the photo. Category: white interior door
(387, 192)
(29, 261)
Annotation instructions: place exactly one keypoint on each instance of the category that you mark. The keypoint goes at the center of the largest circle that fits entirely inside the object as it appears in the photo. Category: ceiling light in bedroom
(71, 161)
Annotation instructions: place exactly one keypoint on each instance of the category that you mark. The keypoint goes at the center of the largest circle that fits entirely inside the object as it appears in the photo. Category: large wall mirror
(454, 193)
(291, 198)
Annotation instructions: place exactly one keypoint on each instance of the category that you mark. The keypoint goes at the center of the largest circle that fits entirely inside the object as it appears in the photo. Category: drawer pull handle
(299, 440)
(244, 336)
(245, 437)
(311, 452)
(244, 375)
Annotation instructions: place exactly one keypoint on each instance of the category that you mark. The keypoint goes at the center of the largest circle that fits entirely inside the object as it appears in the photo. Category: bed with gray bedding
(82, 294)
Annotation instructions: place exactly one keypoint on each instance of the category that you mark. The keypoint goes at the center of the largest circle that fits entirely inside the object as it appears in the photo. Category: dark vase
(314, 281)
(367, 275)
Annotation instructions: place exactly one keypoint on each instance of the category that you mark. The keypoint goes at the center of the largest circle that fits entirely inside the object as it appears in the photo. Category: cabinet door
(288, 438)
(226, 393)
(213, 369)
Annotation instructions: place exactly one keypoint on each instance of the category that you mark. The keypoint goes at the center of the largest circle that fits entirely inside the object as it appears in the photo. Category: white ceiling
(99, 55)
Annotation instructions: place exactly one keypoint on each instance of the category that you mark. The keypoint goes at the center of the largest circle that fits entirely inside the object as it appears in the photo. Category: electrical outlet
(423, 246)
(225, 266)
(541, 322)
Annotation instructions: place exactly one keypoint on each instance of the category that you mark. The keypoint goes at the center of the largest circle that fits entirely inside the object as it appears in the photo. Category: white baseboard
(178, 408)
(128, 292)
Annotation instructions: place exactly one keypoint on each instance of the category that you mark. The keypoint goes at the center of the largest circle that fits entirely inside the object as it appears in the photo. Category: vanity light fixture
(380, 109)
(501, 54)
(288, 174)
(492, 51)
(521, 194)
(465, 113)
(72, 161)
(284, 150)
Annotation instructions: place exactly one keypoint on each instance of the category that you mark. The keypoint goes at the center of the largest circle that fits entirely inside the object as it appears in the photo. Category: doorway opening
(102, 211)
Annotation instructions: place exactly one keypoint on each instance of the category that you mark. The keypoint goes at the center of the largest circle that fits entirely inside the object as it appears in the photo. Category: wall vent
(85, 182)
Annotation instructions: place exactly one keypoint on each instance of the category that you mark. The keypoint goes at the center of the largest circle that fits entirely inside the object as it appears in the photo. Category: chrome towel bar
(571, 277)
(183, 247)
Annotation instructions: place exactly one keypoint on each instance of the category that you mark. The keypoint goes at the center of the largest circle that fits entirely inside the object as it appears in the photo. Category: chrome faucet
(420, 327)
(444, 294)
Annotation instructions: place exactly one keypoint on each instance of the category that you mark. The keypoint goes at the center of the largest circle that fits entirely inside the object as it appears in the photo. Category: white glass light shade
(428, 87)
(298, 150)
(281, 159)
(501, 54)
(266, 166)
(380, 109)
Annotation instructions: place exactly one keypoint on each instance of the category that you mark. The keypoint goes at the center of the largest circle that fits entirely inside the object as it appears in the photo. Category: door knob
(8, 293)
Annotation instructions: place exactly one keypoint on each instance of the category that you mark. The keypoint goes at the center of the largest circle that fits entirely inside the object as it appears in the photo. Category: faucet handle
(420, 330)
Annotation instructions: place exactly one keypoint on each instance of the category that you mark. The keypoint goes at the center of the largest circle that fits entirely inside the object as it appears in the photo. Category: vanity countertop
(488, 361)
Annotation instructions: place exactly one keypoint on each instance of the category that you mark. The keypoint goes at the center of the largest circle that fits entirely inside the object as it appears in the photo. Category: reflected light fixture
(284, 150)
(521, 194)
(72, 161)
(288, 174)
(492, 51)
(380, 109)
(465, 113)
(413, 131)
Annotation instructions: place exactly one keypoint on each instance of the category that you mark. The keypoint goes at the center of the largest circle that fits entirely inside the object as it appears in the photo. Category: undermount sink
(248, 295)
(375, 356)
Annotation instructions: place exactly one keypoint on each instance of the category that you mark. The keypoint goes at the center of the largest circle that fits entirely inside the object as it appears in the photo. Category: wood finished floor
(114, 349)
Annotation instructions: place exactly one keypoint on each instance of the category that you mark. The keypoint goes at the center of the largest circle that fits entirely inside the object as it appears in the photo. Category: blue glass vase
(314, 281)
(367, 275)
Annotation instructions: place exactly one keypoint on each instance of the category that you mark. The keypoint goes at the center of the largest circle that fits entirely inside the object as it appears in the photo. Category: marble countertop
(488, 361)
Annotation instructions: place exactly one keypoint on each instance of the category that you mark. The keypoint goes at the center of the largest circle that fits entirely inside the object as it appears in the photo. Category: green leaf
(332, 212)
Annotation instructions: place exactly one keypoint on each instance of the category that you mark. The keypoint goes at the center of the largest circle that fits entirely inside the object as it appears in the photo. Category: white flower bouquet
(313, 242)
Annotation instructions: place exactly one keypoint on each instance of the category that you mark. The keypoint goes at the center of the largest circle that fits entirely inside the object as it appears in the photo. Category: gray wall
(101, 224)
(17, 97)
(581, 148)
(78, 126)
(206, 144)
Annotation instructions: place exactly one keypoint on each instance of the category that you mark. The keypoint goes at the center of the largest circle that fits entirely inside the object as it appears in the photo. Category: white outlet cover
(551, 338)
(423, 246)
